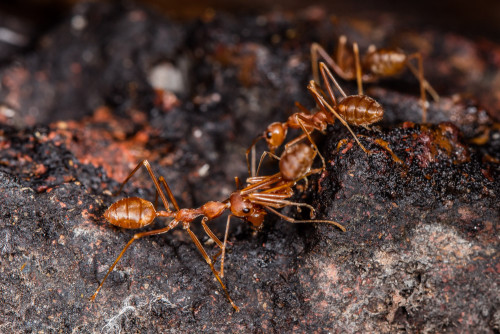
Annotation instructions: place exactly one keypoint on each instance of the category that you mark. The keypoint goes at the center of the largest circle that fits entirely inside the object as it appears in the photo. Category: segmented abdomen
(360, 110)
(296, 161)
(386, 62)
(133, 212)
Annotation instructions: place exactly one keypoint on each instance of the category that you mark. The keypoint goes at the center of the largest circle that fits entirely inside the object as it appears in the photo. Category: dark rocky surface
(78, 113)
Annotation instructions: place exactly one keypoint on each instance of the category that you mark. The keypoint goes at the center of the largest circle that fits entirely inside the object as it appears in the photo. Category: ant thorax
(214, 209)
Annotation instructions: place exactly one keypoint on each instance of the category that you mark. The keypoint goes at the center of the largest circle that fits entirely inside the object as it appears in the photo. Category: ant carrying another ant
(359, 110)
(250, 204)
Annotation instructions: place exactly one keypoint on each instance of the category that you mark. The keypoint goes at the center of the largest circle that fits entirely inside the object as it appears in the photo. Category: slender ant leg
(295, 221)
(137, 236)
(146, 164)
(207, 259)
(358, 68)
(423, 83)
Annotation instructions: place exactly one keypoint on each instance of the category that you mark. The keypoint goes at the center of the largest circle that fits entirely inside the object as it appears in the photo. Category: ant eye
(269, 134)
(246, 210)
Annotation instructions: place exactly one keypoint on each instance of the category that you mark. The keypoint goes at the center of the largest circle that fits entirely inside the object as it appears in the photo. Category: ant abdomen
(385, 62)
(360, 110)
(296, 161)
(132, 213)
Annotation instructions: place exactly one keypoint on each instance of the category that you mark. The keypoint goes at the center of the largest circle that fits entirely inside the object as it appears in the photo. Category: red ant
(376, 64)
(249, 204)
(359, 110)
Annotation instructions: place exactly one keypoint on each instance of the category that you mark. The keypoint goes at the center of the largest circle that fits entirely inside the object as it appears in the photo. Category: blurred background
(20, 20)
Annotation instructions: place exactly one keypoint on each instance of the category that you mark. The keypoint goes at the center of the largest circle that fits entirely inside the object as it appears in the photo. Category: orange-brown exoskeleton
(276, 132)
(250, 204)
(376, 64)
(359, 110)
(295, 163)
(297, 158)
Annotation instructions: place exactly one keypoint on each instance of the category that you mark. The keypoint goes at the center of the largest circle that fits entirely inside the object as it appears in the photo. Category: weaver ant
(250, 204)
(376, 64)
(360, 110)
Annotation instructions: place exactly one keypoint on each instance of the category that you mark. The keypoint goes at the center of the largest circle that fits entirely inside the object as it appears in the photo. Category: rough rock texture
(78, 113)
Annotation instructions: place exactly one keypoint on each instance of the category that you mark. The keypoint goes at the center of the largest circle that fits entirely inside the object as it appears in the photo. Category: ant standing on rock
(359, 110)
(376, 64)
(250, 204)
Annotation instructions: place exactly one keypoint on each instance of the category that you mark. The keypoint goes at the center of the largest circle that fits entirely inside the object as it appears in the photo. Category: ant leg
(295, 221)
(207, 259)
(251, 172)
(286, 185)
(311, 140)
(423, 97)
(261, 183)
(427, 86)
(253, 160)
(282, 203)
(225, 243)
(255, 179)
(314, 89)
(219, 243)
(314, 60)
(170, 226)
(146, 164)
(169, 192)
(238, 182)
(358, 68)
(267, 181)
(382, 143)
(264, 154)
(385, 145)
(302, 108)
(316, 50)
(340, 50)
(325, 104)
(420, 77)
(156, 201)
(295, 140)
(341, 143)
(326, 72)
(222, 252)
(161, 179)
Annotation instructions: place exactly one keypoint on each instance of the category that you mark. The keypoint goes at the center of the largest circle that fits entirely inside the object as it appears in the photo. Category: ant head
(243, 208)
(240, 206)
(275, 135)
